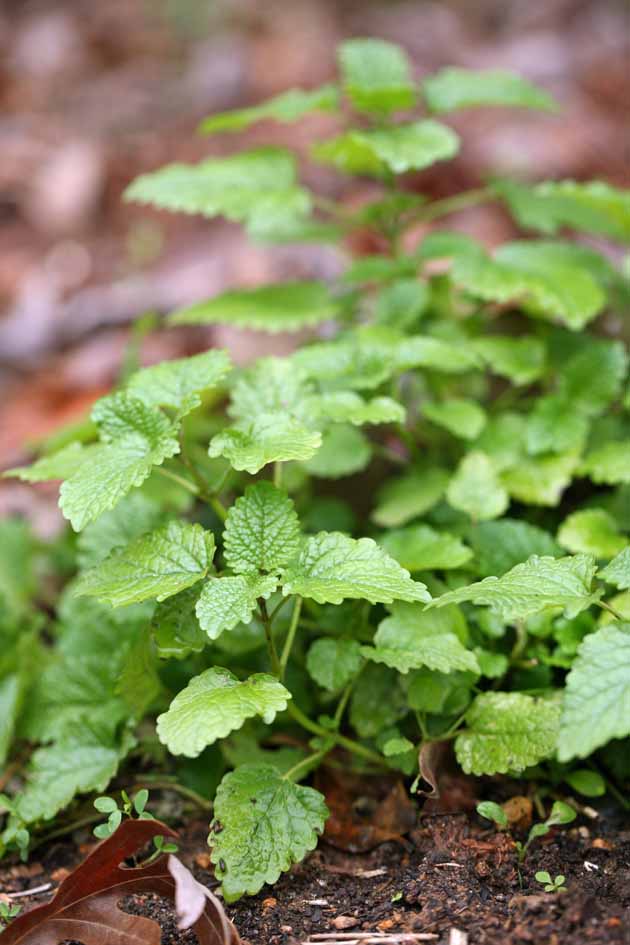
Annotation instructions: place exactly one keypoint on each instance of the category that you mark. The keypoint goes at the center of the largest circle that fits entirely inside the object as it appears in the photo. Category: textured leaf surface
(592, 531)
(522, 360)
(288, 306)
(399, 148)
(531, 587)
(412, 638)
(179, 383)
(175, 627)
(271, 438)
(59, 465)
(156, 565)
(476, 489)
(455, 88)
(271, 385)
(597, 695)
(268, 823)
(214, 704)
(228, 601)
(422, 548)
(286, 108)
(462, 418)
(409, 496)
(507, 731)
(256, 187)
(262, 530)
(618, 571)
(332, 567)
(501, 545)
(333, 662)
(376, 75)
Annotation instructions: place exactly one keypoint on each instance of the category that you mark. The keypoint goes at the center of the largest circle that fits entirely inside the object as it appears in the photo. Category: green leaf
(344, 452)
(376, 76)
(136, 438)
(289, 306)
(556, 426)
(134, 515)
(507, 732)
(617, 572)
(270, 438)
(399, 148)
(540, 480)
(409, 496)
(597, 695)
(531, 587)
(377, 701)
(537, 273)
(475, 488)
(608, 464)
(422, 548)
(228, 601)
(493, 665)
(255, 187)
(412, 638)
(214, 704)
(463, 418)
(262, 530)
(593, 377)
(18, 574)
(348, 407)
(175, 627)
(271, 385)
(453, 88)
(593, 207)
(501, 545)
(178, 383)
(333, 662)
(592, 531)
(267, 824)
(332, 567)
(84, 759)
(588, 783)
(59, 465)
(521, 360)
(494, 812)
(11, 693)
(286, 108)
(154, 566)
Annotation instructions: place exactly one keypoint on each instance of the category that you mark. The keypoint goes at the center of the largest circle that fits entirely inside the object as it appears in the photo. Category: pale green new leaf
(262, 530)
(507, 732)
(399, 148)
(349, 407)
(539, 480)
(422, 548)
(593, 377)
(617, 572)
(521, 360)
(402, 499)
(289, 306)
(608, 464)
(454, 88)
(376, 76)
(412, 638)
(216, 703)
(255, 187)
(531, 587)
(476, 489)
(227, 601)
(270, 385)
(500, 545)
(344, 452)
(592, 531)
(333, 661)
(178, 383)
(59, 465)
(331, 568)
(270, 438)
(267, 824)
(462, 418)
(286, 108)
(154, 566)
(594, 207)
(597, 695)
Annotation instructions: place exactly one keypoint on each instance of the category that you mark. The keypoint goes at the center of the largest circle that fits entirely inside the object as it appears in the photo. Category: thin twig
(30, 892)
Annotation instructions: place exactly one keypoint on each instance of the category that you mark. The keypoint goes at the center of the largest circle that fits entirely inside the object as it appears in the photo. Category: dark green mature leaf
(453, 88)
(398, 149)
(154, 566)
(332, 567)
(556, 426)
(255, 187)
(344, 452)
(377, 701)
(501, 545)
(507, 732)
(216, 703)
(597, 696)
(289, 306)
(593, 377)
(333, 662)
(376, 76)
(262, 530)
(402, 499)
(422, 548)
(522, 359)
(175, 627)
(286, 108)
(267, 824)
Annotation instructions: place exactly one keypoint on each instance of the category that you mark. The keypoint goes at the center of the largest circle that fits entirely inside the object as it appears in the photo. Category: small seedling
(551, 885)
(561, 813)
(108, 805)
(494, 812)
(8, 911)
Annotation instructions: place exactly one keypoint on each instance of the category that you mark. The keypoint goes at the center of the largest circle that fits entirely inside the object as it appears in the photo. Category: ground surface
(449, 872)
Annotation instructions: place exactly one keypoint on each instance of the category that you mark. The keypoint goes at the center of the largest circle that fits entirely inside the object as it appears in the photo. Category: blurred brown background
(91, 94)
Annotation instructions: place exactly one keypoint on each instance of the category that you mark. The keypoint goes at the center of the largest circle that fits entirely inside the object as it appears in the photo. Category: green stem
(271, 646)
(164, 785)
(611, 610)
(277, 608)
(521, 640)
(277, 475)
(190, 486)
(354, 747)
(202, 490)
(442, 208)
(343, 702)
(288, 643)
(305, 765)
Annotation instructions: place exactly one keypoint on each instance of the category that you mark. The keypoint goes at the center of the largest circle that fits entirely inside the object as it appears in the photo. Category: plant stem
(271, 646)
(202, 490)
(162, 785)
(305, 765)
(442, 208)
(277, 475)
(354, 747)
(611, 610)
(190, 486)
(288, 643)
(343, 702)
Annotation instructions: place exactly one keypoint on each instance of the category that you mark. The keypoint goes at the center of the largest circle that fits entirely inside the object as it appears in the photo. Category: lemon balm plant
(413, 528)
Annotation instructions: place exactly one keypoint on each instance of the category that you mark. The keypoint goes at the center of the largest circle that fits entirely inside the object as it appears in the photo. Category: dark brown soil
(451, 872)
